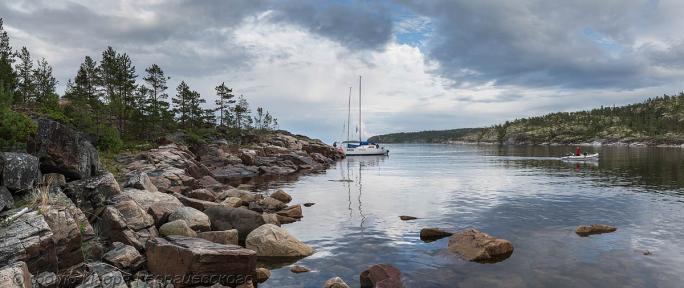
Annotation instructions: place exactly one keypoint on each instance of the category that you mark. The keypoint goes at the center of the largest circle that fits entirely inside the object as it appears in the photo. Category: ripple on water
(524, 195)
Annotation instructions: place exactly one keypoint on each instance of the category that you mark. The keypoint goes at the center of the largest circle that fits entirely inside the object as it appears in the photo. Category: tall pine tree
(45, 85)
(181, 103)
(8, 78)
(157, 105)
(26, 86)
(224, 102)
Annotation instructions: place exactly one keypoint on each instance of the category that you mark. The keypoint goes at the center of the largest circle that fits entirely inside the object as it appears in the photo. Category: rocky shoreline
(175, 214)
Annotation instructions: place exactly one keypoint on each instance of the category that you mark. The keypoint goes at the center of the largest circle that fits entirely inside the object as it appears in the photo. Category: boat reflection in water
(353, 179)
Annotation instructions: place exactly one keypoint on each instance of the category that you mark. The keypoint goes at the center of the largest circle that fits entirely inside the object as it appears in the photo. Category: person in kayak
(578, 151)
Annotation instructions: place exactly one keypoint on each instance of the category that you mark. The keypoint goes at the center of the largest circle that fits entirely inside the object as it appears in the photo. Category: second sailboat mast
(360, 109)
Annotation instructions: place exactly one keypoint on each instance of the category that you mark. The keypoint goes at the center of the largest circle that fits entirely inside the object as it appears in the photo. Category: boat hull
(364, 151)
(590, 157)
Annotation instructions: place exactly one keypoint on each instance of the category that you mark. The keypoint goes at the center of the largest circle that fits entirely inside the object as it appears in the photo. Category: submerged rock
(208, 262)
(381, 275)
(309, 204)
(272, 241)
(262, 274)
(593, 229)
(299, 269)
(477, 246)
(407, 218)
(433, 234)
(335, 282)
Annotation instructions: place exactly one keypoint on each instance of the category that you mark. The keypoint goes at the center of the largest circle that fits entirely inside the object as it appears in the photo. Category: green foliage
(442, 136)
(8, 80)
(657, 120)
(15, 127)
(105, 101)
(109, 139)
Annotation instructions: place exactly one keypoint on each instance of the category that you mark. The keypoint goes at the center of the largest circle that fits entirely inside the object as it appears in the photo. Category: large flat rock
(477, 246)
(209, 263)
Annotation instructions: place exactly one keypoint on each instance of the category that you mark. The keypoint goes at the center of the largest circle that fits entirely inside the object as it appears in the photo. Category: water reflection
(523, 194)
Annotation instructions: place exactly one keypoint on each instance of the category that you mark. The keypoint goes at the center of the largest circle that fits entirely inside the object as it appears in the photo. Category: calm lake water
(522, 194)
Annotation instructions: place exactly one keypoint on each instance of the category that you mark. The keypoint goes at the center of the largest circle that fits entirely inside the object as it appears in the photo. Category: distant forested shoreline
(656, 121)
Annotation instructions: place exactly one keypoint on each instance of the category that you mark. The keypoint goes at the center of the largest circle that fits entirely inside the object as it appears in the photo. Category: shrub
(15, 128)
(109, 139)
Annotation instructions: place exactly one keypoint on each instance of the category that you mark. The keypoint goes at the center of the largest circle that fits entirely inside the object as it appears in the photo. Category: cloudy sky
(435, 64)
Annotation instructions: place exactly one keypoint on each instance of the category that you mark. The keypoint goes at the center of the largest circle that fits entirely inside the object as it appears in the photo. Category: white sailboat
(359, 148)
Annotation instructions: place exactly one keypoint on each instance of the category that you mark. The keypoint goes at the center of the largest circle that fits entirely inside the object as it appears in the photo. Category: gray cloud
(358, 24)
(506, 59)
(567, 44)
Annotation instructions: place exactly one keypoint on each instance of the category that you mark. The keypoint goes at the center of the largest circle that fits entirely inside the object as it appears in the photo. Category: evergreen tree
(156, 83)
(181, 103)
(7, 75)
(86, 97)
(224, 102)
(108, 72)
(197, 114)
(26, 86)
(241, 112)
(259, 119)
(125, 81)
(45, 84)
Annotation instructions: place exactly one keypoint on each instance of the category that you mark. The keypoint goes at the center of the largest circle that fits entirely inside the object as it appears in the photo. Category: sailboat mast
(349, 112)
(360, 110)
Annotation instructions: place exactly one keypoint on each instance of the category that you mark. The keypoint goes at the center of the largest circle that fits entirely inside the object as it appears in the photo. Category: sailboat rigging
(358, 148)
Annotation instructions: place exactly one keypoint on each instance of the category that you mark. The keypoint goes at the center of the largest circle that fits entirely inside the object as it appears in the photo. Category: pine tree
(26, 87)
(197, 114)
(241, 112)
(45, 84)
(108, 72)
(86, 97)
(259, 119)
(181, 103)
(7, 75)
(156, 81)
(224, 102)
(126, 84)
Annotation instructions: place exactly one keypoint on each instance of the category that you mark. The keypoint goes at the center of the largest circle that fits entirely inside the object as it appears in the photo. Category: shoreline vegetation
(655, 122)
(117, 108)
(102, 183)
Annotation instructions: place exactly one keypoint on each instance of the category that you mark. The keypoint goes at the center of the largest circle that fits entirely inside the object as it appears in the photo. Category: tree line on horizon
(658, 120)
(107, 100)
